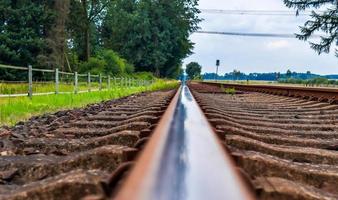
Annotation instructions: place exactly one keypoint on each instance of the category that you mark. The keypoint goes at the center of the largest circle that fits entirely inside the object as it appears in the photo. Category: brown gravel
(287, 146)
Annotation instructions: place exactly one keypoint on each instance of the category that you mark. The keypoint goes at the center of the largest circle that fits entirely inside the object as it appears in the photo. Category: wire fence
(45, 82)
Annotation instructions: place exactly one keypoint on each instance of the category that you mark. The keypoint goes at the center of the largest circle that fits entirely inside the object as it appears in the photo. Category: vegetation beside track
(292, 82)
(16, 109)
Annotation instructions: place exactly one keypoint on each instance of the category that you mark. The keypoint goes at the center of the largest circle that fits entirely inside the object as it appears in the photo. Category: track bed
(284, 148)
(72, 154)
(288, 147)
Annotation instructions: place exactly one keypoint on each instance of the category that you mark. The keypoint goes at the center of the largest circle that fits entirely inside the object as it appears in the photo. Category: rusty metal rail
(184, 160)
(329, 95)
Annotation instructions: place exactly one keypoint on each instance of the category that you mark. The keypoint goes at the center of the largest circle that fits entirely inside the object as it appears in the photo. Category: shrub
(94, 66)
(115, 64)
(144, 75)
(231, 91)
(129, 68)
(107, 62)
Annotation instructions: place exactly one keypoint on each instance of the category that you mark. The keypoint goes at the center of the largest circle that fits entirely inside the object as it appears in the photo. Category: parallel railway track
(272, 143)
(287, 146)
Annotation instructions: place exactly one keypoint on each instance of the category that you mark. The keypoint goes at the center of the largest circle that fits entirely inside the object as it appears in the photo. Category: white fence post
(88, 82)
(30, 81)
(108, 86)
(76, 83)
(56, 81)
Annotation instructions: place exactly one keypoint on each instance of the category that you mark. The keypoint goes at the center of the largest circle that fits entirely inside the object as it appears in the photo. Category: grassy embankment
(17, 109)
(280, 83)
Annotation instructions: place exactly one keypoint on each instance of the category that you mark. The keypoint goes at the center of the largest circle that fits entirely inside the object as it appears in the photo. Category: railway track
(287, 146)
(160, 146)
(72, 154)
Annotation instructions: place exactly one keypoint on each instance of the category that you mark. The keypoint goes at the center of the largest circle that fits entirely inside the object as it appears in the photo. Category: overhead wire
(276, 35)
(256, 12)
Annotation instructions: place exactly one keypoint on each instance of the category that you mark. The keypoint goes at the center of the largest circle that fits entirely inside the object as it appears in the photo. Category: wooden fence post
(108, 86)
(30, 81)
(88, 82)
(76, 83)
(56, 81)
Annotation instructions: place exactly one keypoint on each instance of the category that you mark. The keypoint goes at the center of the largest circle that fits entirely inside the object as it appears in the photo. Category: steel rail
(311, 93)
(183, 160)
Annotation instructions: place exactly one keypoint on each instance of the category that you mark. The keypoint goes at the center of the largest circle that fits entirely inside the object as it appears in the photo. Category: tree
(326, 22)
(152, 35)
(288, 73)
(56, 37)
(277, 76)
(23, 29)
(193, 70)
(85, 17)
(236, 74)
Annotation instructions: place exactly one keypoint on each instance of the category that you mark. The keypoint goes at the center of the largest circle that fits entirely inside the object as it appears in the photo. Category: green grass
(231, 91)
(17, 109)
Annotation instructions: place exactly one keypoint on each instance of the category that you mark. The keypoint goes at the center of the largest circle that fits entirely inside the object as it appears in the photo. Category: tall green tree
(153, 35)
(193, 70)
(236, 74)
(326, 22)
(288, 73)
(23, 27)
(84, 21)
(56, 37)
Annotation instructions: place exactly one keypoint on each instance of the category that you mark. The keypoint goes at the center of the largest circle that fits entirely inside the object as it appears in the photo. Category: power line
(254, 12)
(276, 35)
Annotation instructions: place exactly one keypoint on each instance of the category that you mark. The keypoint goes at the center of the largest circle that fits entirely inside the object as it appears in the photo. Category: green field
(14, 109)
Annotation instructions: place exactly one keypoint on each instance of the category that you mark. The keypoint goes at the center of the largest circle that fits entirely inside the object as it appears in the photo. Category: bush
(115, 64)
(94, 66)
(107, 62)
(231, 91)
(129, 68)
(144, 75)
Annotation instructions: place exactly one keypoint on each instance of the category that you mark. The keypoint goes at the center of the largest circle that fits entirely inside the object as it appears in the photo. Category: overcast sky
(255, 54)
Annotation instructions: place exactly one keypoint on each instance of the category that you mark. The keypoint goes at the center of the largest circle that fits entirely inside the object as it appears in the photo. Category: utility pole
(217, 65)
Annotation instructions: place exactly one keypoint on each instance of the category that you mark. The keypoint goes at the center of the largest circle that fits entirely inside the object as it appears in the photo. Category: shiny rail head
(184, 160)
(329, 95)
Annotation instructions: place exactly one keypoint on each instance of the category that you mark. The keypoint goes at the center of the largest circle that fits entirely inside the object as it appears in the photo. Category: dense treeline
(318, 81)
(108, 36)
